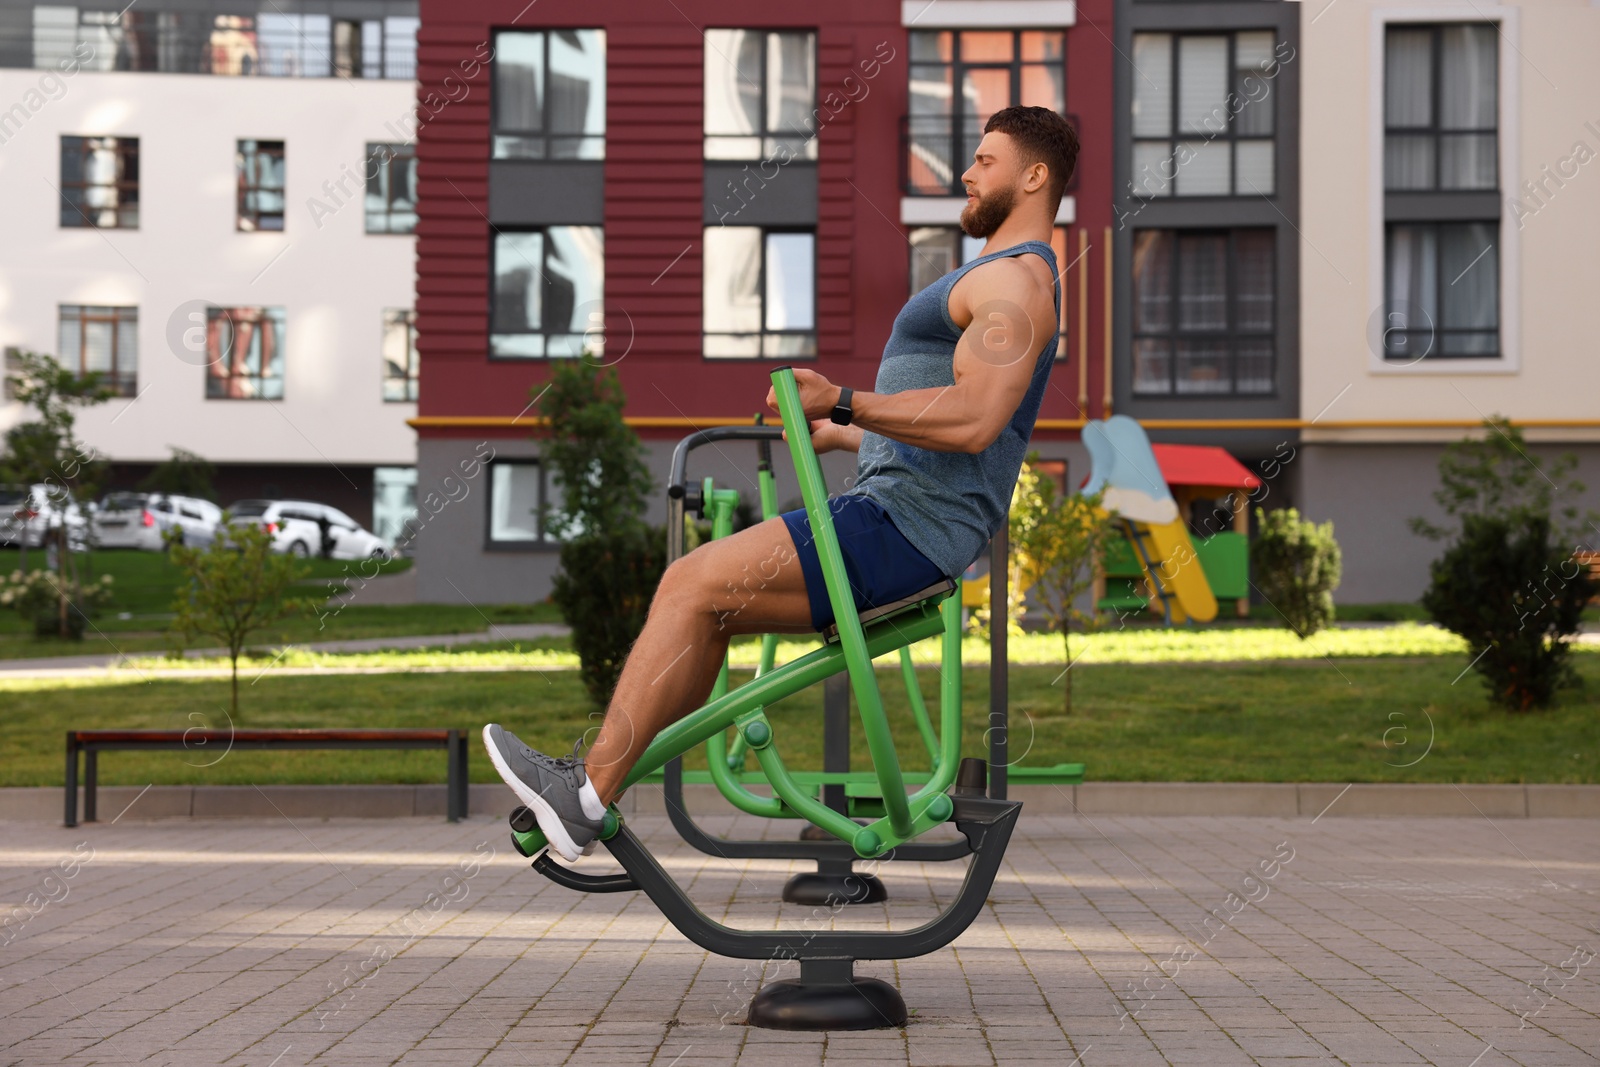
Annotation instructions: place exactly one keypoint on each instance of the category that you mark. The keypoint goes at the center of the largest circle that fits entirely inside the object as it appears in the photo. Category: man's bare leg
(750, 582)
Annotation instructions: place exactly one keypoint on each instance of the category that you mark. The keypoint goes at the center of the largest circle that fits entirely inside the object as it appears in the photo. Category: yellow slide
(1125, 472)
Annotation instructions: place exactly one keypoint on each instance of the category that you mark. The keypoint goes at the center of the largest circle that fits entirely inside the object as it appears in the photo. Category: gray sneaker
(549, 787)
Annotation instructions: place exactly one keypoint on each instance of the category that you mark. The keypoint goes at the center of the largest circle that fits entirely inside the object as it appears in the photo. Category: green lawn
(137, 618)
(1305, 720)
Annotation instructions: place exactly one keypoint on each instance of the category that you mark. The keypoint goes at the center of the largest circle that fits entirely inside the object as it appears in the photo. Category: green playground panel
(1224, 558)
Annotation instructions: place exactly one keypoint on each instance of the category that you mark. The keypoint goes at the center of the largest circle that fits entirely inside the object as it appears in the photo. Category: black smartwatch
(841, 411)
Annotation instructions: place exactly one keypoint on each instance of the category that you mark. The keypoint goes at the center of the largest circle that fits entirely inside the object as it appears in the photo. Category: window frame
(1228, 136)
(1438, 330)
(495, 233)
(954, 126)
(762, 334)
(1230, 333)
(260, 379)
(75, 215)
(393, 151)
(544, 542)
(1507, 20)
(1434, 132)
(246, 160)
(125, 385)
(544, 135)
(764, 134)
(412, 379)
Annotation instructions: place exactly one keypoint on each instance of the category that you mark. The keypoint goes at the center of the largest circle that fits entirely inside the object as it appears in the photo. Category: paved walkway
(1116, 941)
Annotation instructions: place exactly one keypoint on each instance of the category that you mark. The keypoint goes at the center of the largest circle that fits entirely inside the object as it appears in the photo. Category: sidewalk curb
(1310, 800)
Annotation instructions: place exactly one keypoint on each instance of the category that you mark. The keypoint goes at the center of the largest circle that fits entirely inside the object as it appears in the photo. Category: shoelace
(560, 763)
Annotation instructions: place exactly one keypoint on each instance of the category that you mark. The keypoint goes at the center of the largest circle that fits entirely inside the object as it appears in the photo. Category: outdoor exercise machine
(827, 995)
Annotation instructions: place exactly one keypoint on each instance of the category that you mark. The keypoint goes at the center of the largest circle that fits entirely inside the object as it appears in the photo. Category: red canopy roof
(1204, 465)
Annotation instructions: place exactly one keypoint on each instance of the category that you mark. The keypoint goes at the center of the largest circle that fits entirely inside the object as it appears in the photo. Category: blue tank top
(948, 504)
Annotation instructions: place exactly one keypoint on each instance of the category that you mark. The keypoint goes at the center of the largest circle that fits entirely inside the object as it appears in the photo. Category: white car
(143, 520)
(12, 498)
(303, 528)
(42, 508)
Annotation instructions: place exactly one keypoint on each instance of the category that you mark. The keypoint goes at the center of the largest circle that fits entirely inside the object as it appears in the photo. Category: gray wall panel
(544, 193)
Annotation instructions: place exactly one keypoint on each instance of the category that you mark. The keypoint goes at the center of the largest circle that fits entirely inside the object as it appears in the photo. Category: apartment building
(213, 204)
(694, 193)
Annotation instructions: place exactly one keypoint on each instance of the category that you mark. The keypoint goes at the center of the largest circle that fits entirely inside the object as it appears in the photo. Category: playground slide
(1124, 470)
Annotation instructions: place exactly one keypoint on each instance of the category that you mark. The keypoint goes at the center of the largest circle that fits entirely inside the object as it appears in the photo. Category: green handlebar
(863, 681)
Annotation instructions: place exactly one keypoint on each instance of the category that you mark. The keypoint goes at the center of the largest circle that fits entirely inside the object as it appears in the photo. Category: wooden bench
(92, 742)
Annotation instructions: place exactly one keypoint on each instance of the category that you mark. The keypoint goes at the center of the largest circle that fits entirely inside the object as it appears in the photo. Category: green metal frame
(905, 816)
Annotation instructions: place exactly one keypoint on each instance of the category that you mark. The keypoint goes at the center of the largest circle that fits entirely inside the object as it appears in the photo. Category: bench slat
(196, 736)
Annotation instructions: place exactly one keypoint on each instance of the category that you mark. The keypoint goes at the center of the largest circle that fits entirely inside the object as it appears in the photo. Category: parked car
(303, 528)
(12, 497)
(144, 520)
(41, 508)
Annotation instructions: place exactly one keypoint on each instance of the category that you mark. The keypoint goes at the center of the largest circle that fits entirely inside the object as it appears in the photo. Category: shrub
(1515, 598)
(611, 562)
(1296, 564)
(604, 589)
(40, 597)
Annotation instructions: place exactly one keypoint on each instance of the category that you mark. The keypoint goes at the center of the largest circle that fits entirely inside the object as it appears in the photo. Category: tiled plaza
(1114, 941)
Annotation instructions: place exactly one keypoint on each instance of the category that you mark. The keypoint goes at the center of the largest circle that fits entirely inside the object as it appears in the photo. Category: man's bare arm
(1009, 316)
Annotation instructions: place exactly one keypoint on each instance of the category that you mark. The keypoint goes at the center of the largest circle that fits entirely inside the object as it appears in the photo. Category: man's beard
(983, 218)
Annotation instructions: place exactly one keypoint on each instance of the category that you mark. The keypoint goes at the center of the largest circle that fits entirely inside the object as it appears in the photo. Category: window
(261, 176)
(550, 95)
(1203, 114)
(958, 80)
(394, 504)
(399, 354)
(1440, 107)
(100, 182)
(271, 43)
(1203, 312)
(1441, 178)
(244, 353)
(759, 292)
(760, 94)
(1444, 291)
(519, 495)
(548, 293)
(391, 188)
(103, 339)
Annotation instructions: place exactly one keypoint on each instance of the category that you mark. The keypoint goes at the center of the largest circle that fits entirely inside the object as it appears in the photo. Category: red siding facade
(653, 207)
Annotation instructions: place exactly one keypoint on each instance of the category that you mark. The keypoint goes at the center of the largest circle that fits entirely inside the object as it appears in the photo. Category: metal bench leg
(72, 780)
(91, 775)
(456, 802)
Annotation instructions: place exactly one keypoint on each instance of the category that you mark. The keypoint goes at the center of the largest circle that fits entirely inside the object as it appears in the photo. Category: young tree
(1497, 476)
(185, 474)
(233, 588)
(45, 451)
(611, 561)
(1055, 539)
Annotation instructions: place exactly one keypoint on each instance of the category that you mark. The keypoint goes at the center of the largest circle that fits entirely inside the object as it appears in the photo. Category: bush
(1296, 564)
(1515, 598)
(604, 590)
(611, 562)
(37, 597)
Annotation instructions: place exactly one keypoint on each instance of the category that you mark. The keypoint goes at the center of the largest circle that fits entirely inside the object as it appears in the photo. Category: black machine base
(860, 1004)
(830, 890)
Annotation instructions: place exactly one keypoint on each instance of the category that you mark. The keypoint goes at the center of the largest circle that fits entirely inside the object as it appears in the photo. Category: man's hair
(1042, 136)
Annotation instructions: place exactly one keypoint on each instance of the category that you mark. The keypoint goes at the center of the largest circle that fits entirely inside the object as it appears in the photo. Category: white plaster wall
(334, 280)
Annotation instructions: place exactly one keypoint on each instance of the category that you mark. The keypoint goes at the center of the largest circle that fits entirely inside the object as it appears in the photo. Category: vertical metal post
(835, 755)
(91, 776)
(999, 632)
(72, 780)
(456, 779)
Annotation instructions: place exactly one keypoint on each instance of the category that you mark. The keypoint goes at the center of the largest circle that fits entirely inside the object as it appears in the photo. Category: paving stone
(1113, 939)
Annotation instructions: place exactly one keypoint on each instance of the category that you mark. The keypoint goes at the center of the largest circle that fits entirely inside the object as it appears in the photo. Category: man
(940, 440)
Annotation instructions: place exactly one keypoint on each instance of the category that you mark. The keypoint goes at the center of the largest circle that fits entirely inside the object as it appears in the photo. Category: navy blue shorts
(881, 564)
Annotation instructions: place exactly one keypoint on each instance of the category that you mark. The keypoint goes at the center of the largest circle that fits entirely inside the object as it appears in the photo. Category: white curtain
(1408, 101)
